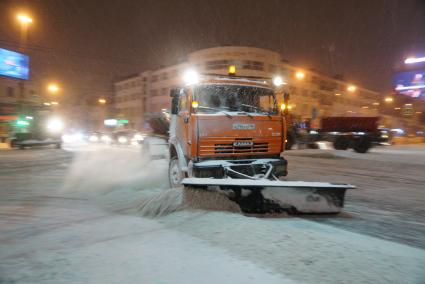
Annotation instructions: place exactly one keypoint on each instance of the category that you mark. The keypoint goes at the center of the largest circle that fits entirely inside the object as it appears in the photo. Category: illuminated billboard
(410, 83)
(14, 64)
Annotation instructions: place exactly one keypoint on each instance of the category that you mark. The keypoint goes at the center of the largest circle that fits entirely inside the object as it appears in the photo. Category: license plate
(242, 143)
(243, 126)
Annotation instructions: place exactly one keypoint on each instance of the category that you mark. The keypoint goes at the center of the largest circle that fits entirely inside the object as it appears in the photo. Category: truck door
(183, 118)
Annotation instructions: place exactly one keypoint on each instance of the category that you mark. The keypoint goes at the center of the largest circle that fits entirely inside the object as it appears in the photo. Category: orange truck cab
(226, 127)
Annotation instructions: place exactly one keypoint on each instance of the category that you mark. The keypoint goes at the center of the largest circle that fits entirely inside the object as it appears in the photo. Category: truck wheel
(341, 143)
(290, 140)
(58, 146)
(312, 146)
(362, 144)
(174, 173)
(12, 143)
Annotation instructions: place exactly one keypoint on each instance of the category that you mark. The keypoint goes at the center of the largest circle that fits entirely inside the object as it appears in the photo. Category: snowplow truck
(227, 134)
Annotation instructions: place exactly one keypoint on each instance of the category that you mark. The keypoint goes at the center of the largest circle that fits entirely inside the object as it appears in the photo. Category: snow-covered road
(71, 216)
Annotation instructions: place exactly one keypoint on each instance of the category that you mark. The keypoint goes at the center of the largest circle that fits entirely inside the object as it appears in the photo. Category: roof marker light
(278, 81)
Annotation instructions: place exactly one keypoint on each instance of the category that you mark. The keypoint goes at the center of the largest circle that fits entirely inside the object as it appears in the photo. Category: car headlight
(93, 138)
(67, 138)
(55, 125)
(122, 139)
(138, 137)
(105, 138)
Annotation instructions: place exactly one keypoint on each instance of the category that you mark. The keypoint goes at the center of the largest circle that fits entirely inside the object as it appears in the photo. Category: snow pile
(173, 200)
(163, 203)
(209, 200)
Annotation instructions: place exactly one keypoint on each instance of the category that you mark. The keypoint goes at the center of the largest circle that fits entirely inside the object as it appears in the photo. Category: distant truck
(358, 133)
(30, 126)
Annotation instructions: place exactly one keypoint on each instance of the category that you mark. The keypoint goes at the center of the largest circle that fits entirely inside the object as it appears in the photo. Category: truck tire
(312, 145)
(154, 148)
(12, 143)
(175, 174)
(362, 144)
(290, 141)
(341, 143)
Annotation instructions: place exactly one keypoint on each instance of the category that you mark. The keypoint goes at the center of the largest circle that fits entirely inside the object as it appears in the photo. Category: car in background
(94, 137)
(73, 137)
(99, 137)
(127, 137)
(40, 128)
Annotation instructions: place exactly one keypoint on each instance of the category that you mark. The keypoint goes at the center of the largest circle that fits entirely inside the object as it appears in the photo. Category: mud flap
(264, 196)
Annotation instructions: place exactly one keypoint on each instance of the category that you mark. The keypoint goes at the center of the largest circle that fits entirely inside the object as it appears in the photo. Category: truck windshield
(218, 98)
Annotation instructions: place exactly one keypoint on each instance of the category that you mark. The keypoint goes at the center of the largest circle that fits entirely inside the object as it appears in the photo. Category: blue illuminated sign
(411, 83)
(14, 64)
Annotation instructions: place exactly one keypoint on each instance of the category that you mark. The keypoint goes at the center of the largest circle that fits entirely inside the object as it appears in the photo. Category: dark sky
(86, 44)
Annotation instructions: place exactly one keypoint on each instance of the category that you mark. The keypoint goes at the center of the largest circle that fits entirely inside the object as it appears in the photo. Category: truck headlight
(54, 125)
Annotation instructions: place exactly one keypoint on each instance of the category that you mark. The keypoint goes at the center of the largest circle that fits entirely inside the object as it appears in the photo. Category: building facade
(14, 92)
(311, 94)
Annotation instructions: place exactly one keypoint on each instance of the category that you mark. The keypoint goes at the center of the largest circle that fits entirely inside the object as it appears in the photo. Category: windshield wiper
(218, 109)
(250, 106)
(257, 108)
(247, 113)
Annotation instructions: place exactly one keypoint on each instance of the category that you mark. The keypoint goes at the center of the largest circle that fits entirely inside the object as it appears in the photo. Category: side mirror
(286, 102)
(174, 94)
(175, 105)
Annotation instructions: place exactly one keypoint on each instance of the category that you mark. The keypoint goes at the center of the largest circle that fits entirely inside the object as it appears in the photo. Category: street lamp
(25, 21)
(389, 100)
(53, 88)
(300, 75)
(412, 60)
(351, 88)
(101, 101)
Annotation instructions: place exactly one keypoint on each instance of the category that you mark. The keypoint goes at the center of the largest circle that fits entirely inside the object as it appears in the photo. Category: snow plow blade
(273, 196)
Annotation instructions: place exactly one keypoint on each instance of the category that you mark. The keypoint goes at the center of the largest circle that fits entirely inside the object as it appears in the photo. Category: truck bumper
(249, 167)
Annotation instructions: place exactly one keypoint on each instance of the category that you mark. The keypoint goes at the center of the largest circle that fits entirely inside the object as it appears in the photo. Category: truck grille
(229, 148)
(241, 146)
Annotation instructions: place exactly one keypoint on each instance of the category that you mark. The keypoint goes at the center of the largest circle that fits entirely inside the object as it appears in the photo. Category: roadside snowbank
(305, 251)
(125, 249)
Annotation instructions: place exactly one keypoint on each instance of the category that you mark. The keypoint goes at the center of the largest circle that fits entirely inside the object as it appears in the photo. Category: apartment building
(311, 93)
